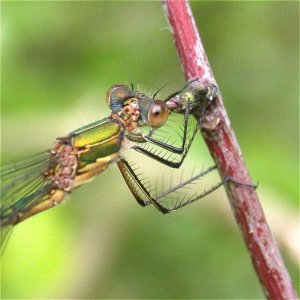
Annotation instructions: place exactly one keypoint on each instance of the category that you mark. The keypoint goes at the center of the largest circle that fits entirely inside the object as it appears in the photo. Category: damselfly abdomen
(45, 180)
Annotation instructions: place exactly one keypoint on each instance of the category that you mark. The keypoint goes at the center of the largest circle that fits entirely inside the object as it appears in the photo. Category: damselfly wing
(138, 122)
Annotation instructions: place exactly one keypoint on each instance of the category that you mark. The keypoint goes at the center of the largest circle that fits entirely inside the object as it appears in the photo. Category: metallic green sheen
(99, 151)
(95, 133)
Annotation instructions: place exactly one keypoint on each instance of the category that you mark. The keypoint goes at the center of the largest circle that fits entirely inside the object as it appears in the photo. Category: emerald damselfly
(42, 181)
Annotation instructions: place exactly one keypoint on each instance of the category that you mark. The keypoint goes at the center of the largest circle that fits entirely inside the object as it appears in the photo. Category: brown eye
(158, 114)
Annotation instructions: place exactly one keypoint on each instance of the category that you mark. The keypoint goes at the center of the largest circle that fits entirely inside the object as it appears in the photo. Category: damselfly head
(144, 110)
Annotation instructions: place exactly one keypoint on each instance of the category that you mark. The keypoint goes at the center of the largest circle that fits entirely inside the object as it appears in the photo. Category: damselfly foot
(43, 181)
(250, 185)
(175, 196)
(194, 95)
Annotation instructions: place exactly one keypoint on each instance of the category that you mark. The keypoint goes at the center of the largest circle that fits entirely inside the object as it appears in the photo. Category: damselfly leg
(168, 200)
(165, 157)
(200, 97)
(173, 197)
(43, 181)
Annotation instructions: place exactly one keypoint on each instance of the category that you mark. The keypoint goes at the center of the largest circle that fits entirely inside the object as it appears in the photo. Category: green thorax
(97, 140)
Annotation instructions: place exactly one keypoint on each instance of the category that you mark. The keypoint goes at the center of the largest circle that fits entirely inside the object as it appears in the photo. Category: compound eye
(116, 93)
(158, 114)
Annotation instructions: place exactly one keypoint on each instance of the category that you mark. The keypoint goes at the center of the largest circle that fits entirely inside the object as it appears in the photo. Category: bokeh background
(58, 60)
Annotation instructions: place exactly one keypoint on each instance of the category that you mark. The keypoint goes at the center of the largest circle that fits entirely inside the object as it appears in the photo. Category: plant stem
(224, 148)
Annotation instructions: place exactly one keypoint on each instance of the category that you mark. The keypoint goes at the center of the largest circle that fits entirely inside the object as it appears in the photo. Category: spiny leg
(236, 182)
(183, 103)
(171, 148)
(168, 147)
(197, 196)
(143, 195)
(141, 138)
(136, 186)
(133, 182)
(169, 160)
(182, 151)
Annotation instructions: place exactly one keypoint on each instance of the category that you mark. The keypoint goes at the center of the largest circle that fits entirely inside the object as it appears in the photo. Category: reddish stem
(223, 146)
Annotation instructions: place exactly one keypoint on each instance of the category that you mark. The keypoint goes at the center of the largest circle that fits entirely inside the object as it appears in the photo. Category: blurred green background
(58, 60)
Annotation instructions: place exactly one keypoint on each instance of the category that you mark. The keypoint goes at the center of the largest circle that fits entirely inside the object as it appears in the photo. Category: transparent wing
(23, 185)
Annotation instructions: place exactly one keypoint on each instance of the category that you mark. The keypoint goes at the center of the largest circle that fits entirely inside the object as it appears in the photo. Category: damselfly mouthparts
(42, 181)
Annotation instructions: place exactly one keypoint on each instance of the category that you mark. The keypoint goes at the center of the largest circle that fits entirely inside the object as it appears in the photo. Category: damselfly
(42, 181)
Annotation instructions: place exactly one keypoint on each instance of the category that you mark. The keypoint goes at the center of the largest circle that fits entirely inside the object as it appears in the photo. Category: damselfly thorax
(43, 181)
